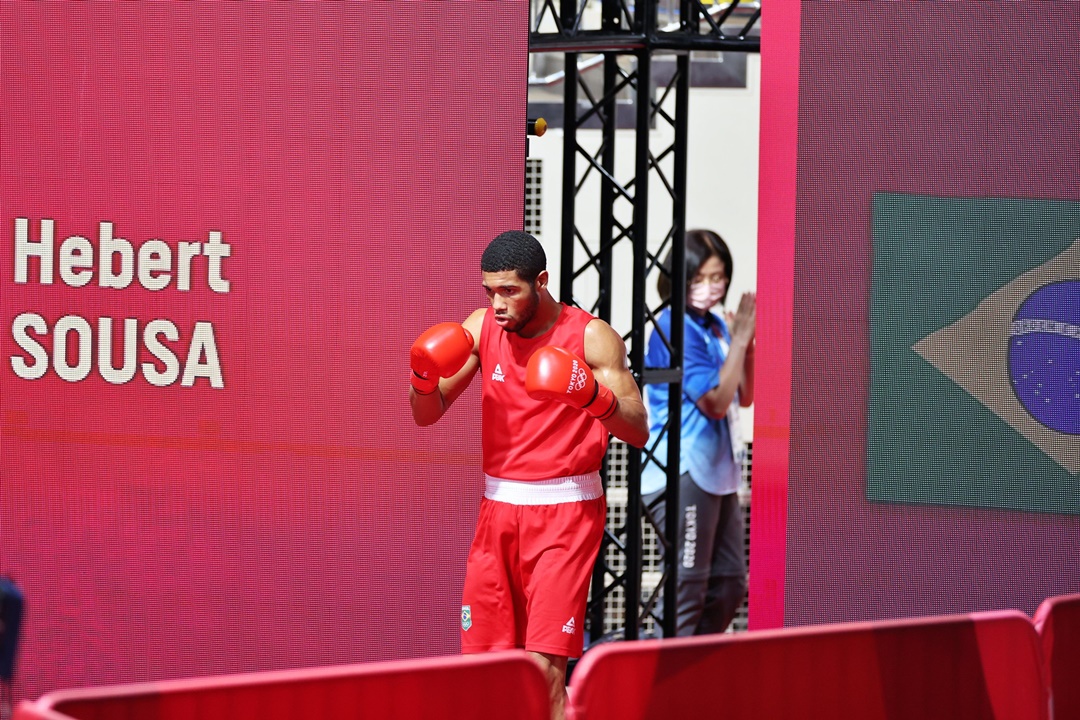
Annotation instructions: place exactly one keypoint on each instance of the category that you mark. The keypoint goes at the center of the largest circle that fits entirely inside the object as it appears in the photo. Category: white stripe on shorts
(573, 488)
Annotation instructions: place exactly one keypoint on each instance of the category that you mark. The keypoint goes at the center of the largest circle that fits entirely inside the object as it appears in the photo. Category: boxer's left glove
(554, 373)
(439, 352)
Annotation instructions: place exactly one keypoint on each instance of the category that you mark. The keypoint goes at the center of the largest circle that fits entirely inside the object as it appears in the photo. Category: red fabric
(1058, 623)
(506, 685)
(980, 666)
(526, 439)
(546, 550)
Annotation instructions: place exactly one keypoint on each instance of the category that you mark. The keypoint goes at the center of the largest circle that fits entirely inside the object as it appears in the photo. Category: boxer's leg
(492, 607)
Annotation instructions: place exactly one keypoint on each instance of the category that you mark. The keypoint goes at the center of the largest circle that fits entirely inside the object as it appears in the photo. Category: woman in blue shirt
(718, 378)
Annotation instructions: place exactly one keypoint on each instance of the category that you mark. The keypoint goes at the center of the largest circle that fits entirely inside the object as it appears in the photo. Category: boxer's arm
(605, 353)
(427, 409)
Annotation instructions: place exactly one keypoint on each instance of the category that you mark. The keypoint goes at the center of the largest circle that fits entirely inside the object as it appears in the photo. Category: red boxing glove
(439, 352)
(554, 373)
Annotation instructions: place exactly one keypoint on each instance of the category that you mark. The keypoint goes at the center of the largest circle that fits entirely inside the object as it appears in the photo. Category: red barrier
(493, 686)
(1058, 623)
(964, 667)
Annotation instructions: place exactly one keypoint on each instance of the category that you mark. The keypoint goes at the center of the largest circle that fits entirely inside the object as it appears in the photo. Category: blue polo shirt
(706, 451)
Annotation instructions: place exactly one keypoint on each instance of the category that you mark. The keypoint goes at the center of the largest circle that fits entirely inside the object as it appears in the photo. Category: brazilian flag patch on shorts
(466, 617)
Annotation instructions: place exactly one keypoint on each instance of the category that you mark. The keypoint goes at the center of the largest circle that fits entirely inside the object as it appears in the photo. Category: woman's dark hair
(700, 246)
(515, 250)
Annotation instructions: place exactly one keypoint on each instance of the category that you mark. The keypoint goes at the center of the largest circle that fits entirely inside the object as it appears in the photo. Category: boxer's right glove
(439, 352)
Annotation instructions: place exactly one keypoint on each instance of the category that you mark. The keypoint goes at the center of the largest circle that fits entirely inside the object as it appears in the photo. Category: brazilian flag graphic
(975, 353)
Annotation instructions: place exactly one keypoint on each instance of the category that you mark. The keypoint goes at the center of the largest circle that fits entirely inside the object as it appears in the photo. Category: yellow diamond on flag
(974, 352)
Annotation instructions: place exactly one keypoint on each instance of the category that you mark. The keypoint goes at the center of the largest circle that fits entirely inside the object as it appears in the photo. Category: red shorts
(528, 574)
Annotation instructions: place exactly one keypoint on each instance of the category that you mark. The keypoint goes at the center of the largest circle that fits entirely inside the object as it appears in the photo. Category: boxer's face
(515, 301)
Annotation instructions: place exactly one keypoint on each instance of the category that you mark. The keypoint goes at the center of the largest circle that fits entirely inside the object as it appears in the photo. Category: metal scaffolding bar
(633, 33)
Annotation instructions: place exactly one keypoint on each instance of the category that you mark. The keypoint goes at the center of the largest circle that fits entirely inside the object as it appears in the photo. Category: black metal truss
(632, 31)
(629, 27)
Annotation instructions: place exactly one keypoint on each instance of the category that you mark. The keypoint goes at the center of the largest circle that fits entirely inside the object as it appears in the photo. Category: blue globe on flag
(1044, 355)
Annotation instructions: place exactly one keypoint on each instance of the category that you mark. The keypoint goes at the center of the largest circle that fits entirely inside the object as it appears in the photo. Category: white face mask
(703, 296)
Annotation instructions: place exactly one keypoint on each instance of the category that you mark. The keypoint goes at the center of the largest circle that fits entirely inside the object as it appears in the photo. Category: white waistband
(573, 488)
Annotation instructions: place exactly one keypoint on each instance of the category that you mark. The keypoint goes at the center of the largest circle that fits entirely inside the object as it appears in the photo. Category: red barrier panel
(492, 686)
(1058, 623)
(964, 667)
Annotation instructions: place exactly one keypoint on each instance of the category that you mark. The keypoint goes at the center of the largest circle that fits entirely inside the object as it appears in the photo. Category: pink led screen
(222, 226)
(924, 225)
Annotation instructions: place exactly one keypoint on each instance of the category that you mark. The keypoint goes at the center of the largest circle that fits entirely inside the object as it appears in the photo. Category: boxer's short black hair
(515, 250)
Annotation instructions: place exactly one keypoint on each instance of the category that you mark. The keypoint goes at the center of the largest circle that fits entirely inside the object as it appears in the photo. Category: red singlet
(526, 439)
